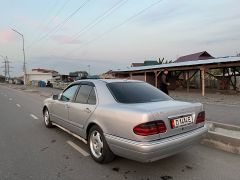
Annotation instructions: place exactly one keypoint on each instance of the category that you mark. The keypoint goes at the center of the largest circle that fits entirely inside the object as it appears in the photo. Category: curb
(223, 136)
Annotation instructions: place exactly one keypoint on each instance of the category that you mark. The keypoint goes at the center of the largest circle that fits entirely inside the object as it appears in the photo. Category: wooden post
(203, 81)
(145, 76)
(235, 79)
(187, 79)
(156, 78)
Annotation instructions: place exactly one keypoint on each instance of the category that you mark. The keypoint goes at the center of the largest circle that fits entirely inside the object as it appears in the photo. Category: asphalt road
(28, 150)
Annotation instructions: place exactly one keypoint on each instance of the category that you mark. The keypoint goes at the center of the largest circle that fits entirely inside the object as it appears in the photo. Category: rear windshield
(136, 92)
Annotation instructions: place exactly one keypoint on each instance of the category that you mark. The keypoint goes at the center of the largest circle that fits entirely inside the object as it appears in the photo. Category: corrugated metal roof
(181, 64)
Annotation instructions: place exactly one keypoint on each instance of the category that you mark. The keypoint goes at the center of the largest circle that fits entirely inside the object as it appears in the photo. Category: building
(40, 70)
(137, 64)
(194, 57)
(145, 63)
(38, 76)
(77, 75)
(182, 72)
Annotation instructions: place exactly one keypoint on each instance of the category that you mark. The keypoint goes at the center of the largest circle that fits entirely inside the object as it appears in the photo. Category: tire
(98, 146)
(46, 118)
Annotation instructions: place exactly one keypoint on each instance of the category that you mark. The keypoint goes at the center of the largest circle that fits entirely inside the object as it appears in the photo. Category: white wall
(38, 77)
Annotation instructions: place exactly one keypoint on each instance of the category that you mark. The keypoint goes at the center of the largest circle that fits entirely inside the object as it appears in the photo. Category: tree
(163, 61)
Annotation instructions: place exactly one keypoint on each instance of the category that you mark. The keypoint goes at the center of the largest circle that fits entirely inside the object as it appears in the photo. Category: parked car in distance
(128, 118)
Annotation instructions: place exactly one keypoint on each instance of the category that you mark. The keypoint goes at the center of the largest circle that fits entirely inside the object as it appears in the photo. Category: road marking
(5, 95)
(76, 147)
(10, 99)
(33, 116)
(18, 105)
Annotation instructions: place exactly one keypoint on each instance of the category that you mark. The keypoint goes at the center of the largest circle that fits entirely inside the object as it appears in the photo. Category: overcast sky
(69, 35)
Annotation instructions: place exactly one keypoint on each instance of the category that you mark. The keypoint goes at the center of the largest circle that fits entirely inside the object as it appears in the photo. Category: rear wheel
(46, 118)
(98, 146)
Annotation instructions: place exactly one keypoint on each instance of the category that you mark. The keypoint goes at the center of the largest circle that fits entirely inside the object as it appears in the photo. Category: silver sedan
(127, 118)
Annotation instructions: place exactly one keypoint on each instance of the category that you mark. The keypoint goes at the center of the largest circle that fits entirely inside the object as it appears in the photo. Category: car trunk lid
(179, 117)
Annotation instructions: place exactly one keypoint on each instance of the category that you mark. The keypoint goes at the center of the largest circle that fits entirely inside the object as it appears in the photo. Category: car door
(61, 106)
(84, 105)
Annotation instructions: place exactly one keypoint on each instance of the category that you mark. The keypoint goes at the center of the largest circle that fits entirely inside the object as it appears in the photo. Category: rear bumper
(154, 150)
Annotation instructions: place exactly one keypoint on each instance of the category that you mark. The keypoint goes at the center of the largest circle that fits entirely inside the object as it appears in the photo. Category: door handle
(87, 110)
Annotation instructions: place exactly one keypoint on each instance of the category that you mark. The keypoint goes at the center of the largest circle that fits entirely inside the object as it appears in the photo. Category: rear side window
(136, 92)
(92, 97)
(86, 95)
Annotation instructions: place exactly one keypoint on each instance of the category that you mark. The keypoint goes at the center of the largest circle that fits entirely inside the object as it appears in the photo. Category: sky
(70, 35)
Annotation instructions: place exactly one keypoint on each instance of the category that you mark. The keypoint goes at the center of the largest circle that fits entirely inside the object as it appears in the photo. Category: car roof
(108, 80)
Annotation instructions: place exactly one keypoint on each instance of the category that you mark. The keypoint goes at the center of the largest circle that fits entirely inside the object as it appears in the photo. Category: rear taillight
(150, 128)
(200, 117)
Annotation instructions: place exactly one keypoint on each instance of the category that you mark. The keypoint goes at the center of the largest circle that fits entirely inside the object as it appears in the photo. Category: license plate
(182, 121)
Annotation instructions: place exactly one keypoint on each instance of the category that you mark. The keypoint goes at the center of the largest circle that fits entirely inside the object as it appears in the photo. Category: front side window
(86, 95)
(69, 93)
(136, 92)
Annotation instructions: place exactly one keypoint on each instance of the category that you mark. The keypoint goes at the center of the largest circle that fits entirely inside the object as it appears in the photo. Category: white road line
(76, 147)
(10, 99)
(18, 105)
(33, 116)
(5, 95)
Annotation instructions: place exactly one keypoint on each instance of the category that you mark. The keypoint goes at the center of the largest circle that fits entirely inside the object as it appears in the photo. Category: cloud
(64, 39)
(7, 35)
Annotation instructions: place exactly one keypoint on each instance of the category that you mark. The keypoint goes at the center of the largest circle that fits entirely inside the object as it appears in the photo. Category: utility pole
(24, 62)
(8, 68)
(5, 67)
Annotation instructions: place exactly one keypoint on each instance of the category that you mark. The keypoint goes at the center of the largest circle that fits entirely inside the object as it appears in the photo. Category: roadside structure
(38, 76)
(2, 78)
(78, 75)
(186, 68)
(53, 72)
(194, 57)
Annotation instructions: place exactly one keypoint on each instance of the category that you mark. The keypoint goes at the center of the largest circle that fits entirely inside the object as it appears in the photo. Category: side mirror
(55, 96)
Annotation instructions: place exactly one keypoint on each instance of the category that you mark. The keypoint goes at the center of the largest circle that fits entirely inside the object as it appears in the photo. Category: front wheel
(98, 146)
(46, 118)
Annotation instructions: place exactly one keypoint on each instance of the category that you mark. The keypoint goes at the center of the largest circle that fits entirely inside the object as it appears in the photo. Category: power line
(58, 12)
(60, 25)
(100, 18)
(52, 19)
(117, 26)
(49, 9)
